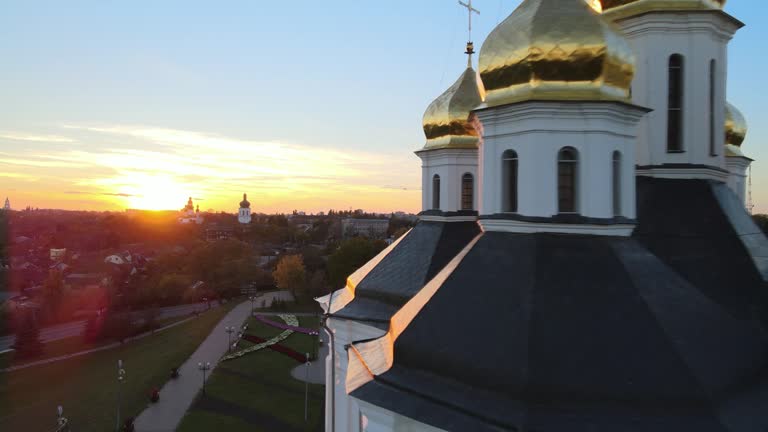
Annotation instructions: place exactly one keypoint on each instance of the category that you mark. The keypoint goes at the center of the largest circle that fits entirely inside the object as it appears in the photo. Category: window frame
(573, 164)
(436, 192)
(675, 103)
(467, 195)
(510, 166)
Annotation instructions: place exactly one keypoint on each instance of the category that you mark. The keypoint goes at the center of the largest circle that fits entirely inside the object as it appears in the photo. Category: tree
(52, 292)
(290, 274)
(28, 343)
(350, 256)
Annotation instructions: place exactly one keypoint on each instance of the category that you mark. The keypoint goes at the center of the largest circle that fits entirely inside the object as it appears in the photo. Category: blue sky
(91, 88)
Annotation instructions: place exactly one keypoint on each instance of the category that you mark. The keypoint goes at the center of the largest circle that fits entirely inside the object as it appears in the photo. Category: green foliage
(350, 256)
(291, 274)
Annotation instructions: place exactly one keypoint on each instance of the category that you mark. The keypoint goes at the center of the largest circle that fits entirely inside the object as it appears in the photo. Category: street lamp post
(229, 330)
(204, 367)
(306, 387)
(120, 380)
(61, 420)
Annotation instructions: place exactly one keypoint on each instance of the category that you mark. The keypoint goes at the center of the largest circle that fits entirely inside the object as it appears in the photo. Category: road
(72, 329)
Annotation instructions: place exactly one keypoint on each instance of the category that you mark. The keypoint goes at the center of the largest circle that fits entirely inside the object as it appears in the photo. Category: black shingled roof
(406, 269)
(544, 332)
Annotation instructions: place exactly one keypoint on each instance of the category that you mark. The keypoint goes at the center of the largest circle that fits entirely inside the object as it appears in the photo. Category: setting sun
(150, 192)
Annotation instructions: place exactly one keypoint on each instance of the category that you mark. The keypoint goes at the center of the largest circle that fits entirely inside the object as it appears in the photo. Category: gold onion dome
(446, 121)
(735, 130)
(555, 50)
(616, 9)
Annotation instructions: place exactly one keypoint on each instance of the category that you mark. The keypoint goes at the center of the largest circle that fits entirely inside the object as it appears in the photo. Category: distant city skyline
(308, 105)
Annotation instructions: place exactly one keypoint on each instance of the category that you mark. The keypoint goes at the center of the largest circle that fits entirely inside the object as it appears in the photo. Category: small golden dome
(555, 50)
(735, 130)
(616, 9)
(446, 121)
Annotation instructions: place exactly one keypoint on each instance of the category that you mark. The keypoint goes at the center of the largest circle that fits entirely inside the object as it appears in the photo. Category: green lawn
(70, 345)
(87, 386)
(257, 393)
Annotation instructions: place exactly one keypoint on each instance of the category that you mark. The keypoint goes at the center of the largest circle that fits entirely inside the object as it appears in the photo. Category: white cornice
(428, 218)
(522, 227)
(684, 173)
(666, 22)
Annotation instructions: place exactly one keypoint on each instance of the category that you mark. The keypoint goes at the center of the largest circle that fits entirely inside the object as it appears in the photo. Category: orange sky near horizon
(158, 169)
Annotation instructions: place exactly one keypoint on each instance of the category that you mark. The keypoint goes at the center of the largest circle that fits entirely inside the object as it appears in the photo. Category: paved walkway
(316, 368)
(177, 395)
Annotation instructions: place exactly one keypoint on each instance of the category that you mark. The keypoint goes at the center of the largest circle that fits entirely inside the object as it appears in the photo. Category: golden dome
(616, 9)
(735, 130)
(555, 50)
(446, 121)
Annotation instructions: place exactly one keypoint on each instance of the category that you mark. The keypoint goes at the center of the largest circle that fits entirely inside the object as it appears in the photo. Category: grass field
(70, 345)
(256, 393)
(87, 386)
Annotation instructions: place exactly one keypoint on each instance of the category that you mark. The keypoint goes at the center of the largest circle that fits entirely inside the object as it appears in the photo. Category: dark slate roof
(561, 332)
(685, 225)
(406, 269)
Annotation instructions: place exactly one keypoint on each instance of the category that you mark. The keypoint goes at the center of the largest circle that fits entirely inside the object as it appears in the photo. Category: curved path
(177, 395)
(316, 373)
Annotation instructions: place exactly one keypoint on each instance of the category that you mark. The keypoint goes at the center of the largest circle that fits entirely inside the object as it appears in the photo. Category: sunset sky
(308, 105)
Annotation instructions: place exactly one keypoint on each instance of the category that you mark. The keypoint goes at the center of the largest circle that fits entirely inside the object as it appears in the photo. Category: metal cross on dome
(470, 10)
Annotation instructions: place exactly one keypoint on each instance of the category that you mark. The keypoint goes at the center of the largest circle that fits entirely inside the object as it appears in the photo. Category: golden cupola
(556, 50)
(616, 9)
(735, 131)
(446, 121)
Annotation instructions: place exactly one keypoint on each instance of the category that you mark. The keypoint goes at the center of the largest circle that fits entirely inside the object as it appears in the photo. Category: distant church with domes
(244, 213)
(190, 215)
(584, 260)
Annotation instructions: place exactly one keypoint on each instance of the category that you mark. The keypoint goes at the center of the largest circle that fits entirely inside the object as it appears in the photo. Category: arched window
(675, 104)
(712, 140)
(467, 191)
(567, 167)
(616, 183)
(436, 192)
(509, 188)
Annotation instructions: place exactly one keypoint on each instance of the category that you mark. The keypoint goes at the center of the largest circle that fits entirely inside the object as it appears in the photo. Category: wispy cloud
(15, 136)
(159, 167)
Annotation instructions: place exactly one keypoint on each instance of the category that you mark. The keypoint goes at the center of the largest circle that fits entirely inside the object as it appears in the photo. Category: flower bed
(290, 320)
(282, 349)
(287, 326)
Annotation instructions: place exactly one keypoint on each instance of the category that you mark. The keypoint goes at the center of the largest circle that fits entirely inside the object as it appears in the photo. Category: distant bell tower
(7, 206)
(244, 215)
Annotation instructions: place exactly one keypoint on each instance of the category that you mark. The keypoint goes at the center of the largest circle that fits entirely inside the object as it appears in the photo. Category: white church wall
(450, 165)
(699, 38)
(537, 131)
(373, 418)
(347, 411)
(737, 178)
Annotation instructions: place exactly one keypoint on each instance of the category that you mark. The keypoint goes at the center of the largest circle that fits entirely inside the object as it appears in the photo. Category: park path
(316, 373)
(177, 395)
